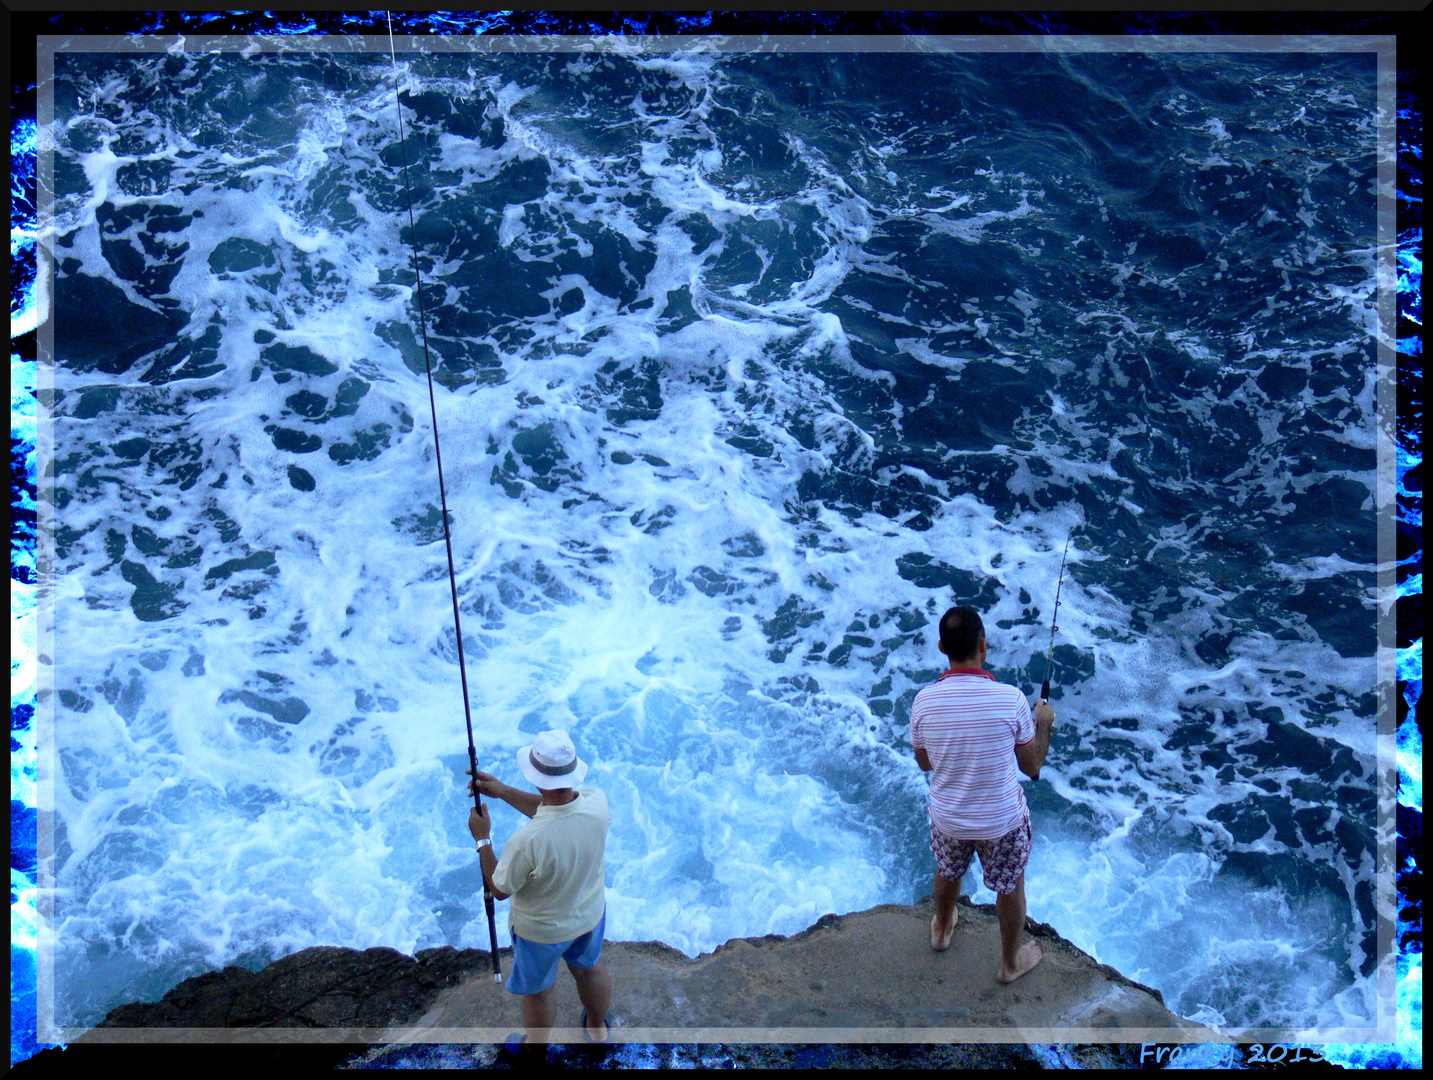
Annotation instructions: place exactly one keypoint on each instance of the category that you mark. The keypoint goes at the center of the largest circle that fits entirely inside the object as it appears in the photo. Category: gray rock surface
(867, 977)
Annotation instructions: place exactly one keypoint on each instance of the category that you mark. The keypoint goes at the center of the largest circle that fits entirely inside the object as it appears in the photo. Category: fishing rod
(1050, 653)
(443, 498)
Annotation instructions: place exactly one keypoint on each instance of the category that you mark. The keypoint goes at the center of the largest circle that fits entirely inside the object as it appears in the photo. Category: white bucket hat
(551, 761)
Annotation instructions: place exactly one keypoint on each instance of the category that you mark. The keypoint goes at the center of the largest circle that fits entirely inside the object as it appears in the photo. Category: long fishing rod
(1050, 653)
(443, 498)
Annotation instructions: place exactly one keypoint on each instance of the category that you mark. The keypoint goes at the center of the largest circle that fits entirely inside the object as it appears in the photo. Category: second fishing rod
(1054, 616)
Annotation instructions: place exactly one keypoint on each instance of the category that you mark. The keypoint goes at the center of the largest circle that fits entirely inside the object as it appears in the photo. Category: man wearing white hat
(552, 869)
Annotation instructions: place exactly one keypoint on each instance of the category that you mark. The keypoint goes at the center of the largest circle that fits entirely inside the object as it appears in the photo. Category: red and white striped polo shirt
(969, 725)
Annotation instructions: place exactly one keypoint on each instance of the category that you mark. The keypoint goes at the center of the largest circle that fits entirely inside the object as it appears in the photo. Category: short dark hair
(960, 633)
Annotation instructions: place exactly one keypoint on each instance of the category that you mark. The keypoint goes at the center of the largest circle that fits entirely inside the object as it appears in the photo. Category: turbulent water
(747, 366)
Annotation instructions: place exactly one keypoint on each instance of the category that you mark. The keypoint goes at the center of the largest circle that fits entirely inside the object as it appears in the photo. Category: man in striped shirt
(971, 733)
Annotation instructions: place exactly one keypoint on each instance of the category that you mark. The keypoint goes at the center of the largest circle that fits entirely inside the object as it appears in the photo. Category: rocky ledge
(322, 987)
(860, 979)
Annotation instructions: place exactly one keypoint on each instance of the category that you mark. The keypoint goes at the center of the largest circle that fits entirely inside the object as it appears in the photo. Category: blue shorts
(534, 965)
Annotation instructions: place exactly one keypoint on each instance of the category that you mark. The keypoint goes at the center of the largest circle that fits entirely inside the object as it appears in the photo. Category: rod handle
(1044, 696)
(492, 935)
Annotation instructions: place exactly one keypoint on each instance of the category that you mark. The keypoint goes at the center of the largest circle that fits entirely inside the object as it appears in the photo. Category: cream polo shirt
(552, 869)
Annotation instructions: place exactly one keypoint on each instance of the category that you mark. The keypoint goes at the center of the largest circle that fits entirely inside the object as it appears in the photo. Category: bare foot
(1028, 956)
(938, 941)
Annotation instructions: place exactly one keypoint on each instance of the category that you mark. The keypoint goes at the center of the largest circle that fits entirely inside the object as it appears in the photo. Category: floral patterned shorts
(1002, 861)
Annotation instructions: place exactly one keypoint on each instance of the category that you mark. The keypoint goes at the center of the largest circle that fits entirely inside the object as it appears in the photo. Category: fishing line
(442, 491)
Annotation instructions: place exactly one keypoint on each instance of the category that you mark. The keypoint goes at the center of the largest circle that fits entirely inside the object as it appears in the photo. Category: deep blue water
(748, 366)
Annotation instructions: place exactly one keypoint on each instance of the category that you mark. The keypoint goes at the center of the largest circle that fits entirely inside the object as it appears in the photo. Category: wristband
(484, 842)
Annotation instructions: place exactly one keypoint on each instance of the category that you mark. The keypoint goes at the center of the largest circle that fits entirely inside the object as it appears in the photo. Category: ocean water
(747, 366)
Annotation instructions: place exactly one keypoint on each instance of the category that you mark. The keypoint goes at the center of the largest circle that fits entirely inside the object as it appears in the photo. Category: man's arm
(1031, 756)
(481, 826)
(923, 759)
(525, 802)
(490, 863)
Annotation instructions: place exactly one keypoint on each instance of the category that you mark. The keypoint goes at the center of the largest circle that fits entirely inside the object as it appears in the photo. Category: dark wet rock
(324, 986)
